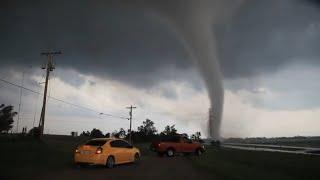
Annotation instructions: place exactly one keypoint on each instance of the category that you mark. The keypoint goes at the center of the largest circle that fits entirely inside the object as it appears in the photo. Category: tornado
(193, 22)
(199, 41)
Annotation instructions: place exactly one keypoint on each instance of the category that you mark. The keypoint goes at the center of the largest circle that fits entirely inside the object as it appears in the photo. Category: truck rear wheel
(170, 152)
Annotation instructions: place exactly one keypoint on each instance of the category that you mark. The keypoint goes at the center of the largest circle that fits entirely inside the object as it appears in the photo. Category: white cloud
(243, 119)
(294, 87)
(187, 108)
(245, 113)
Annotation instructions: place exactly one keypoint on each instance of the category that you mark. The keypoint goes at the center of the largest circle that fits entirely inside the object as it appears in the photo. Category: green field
(23, 157)
(241, 164)
(300, 141)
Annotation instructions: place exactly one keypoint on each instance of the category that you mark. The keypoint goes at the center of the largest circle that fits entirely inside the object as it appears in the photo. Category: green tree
(35, 131)
(96, 133)
(107, 135)
(122, 133)
(196, 136)
(193, 137)
(115, 134)
(147, 128)
(119, 134)
(169, 130)
(6, 117)
(85, 133)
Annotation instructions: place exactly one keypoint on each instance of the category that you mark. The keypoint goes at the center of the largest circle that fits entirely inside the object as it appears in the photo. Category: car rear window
(96, 142)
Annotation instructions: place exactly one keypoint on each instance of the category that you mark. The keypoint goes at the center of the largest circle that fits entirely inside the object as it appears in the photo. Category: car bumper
(94, 159)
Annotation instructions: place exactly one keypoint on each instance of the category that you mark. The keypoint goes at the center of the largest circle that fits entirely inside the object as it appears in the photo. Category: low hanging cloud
(97, 38)
(123, 41)
(265, 36)
(244, 119)
(110, 97)
(268, 52)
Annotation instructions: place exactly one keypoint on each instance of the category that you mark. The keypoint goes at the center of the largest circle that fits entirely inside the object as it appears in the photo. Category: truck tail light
(99, 150)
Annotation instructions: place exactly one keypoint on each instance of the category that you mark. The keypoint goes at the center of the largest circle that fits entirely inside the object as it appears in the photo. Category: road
(274, 148)
(150, 167)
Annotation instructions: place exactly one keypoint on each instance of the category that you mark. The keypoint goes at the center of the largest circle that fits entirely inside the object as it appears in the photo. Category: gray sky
(117, 54)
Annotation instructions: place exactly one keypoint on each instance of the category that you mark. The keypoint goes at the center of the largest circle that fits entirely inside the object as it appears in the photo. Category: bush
(35, 132)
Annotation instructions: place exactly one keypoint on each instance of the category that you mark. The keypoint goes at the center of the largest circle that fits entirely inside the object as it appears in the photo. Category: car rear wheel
(170, 152)
(110, 162)
(136, 158)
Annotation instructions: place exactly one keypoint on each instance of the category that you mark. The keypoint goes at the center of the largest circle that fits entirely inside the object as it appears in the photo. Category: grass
(239, 164)
(25, 157)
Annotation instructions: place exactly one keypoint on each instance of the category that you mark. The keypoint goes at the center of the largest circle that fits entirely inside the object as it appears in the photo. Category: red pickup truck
(170, 145)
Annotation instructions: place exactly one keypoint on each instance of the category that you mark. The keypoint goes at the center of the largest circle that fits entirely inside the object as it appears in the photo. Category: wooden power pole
(49, 67)
(130, 119)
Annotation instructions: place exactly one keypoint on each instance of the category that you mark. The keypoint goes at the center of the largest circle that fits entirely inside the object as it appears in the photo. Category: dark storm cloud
(313, 2)
(104, 39)
(264, 36)
(119, 39)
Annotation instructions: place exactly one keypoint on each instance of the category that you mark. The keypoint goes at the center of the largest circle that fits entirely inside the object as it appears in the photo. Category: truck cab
(171, 145)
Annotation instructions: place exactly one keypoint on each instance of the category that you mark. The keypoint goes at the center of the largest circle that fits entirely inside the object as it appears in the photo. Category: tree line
(145, 132)
(6, 118)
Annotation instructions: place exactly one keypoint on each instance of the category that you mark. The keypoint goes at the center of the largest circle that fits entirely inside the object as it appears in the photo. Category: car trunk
(88, 150)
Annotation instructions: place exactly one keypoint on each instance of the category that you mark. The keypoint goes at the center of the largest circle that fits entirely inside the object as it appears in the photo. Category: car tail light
(77, 150)
(99, 150)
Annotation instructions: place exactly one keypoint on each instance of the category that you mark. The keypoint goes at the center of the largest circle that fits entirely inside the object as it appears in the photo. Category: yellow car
(106, 151)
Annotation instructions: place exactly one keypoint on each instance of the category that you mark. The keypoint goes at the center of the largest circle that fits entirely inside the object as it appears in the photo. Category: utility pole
(49, 67)
(130, 119)
(19, 108)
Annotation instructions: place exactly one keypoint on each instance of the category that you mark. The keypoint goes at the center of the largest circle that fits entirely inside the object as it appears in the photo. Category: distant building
(74, 134)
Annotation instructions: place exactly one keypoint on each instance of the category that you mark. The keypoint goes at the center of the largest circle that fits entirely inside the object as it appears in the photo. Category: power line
(63, 101)
(8, 82)
(35, 108)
